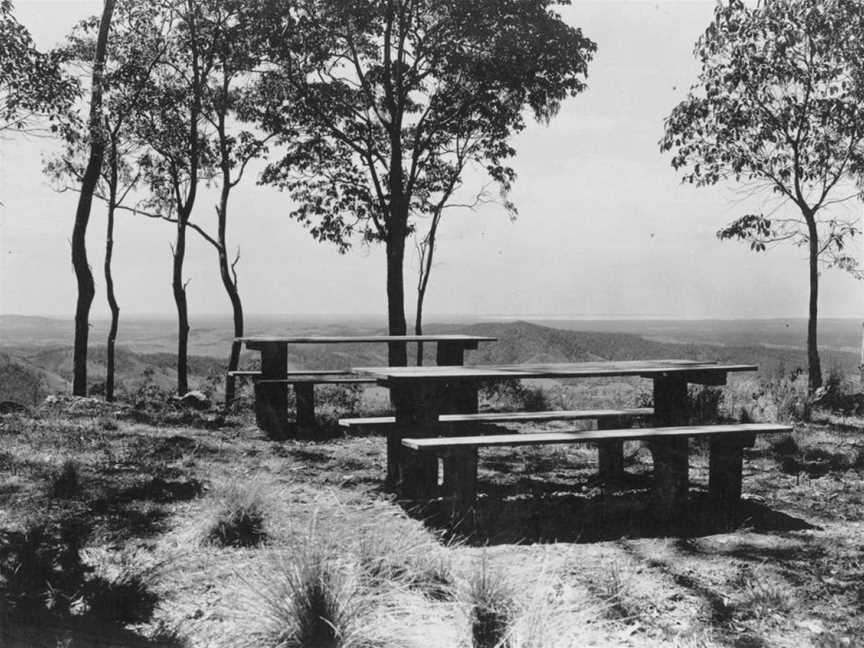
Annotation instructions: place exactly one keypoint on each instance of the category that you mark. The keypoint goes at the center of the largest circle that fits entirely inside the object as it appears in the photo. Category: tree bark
(109, 280)
(814, 367)
(83, 274)
(182, 308)
(397, 351)
(230, 283)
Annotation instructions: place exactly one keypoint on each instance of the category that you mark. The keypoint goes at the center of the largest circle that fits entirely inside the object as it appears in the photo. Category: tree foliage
(369, 94)
(779, 105)
(32, 84)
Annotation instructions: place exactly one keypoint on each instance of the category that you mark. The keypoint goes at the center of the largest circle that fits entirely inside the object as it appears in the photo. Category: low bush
(240, 519)
(65, 482)
(491, 607)
(312, 599)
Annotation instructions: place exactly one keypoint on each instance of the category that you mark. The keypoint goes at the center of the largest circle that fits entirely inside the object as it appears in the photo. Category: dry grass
(240, 516)
(344, 563)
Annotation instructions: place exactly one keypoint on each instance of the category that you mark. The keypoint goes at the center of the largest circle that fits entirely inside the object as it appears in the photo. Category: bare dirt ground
(117, 550)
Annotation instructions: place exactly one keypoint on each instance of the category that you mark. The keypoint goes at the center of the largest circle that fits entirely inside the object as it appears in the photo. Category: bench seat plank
(319, 380)
(514, 417)
(629, 434)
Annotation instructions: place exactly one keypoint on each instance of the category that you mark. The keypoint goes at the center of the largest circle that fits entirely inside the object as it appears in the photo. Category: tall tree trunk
(112, 304)
(229, 281)
(814, 373)
(83, 274)
(418, 328)
(397, 351)
(182, 308)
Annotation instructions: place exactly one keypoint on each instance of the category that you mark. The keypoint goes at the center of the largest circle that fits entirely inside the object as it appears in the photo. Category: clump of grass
(123, 590)
(310, 598)
(65, 482)
(491, 606)
(762, 598)
(404, 558)
(240, 519)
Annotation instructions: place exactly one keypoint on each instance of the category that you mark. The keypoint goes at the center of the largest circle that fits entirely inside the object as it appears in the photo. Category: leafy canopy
(31, 82)
(779, 103)
(382, 103)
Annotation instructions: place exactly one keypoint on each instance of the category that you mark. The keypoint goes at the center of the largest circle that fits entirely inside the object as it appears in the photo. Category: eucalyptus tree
(89, 180)
(369, 99)
(33, 87)
(779, 104)
(170, 120)
(129, 64)
(232, 30)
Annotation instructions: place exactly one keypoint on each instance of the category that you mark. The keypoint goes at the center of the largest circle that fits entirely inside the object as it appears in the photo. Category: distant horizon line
(441, 318)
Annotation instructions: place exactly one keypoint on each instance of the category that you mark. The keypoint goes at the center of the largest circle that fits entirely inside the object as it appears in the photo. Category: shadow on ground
(50, 597)
(546, 517)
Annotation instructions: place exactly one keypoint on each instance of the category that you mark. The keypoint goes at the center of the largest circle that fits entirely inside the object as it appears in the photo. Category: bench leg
(304, 394)
(460, 483)
(271, 400)
(671, 480)
(726, 463)
(610, 454)
(418, 475)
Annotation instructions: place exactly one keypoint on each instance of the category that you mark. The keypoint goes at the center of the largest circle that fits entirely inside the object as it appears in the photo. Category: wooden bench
(458, 455)
(304, 383)
(505, 417)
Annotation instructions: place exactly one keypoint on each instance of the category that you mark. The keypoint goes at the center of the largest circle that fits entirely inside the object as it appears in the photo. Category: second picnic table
(271, 390)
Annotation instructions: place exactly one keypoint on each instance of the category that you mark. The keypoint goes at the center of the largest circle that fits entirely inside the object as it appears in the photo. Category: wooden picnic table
(271, 392)
(421, 394)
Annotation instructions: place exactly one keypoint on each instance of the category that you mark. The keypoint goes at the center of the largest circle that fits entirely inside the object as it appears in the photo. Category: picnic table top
(349, 339)
(645, 368)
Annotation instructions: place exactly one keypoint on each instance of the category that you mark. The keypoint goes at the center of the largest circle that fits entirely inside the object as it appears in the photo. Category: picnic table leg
(610, 454)
(304, 395)
(271, 400)
(450, 354)
(724, 480)
(415, 406)
(671, 455)
(460, 483)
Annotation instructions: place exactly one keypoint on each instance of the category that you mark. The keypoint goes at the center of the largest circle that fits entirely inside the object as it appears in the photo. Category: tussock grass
(762, 597)
(240, 517)
(490, 600)
(65, 482)
(310, 595)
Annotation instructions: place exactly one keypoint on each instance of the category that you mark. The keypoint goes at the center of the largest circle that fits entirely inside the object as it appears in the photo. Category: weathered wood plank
(251, 342)
(512, 417)
(627, 434)
(318, 380)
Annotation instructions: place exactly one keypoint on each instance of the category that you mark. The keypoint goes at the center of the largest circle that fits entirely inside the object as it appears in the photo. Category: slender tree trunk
(229, 281)
(397, 351)
(182, 307)
(112, 300)
(83, 274)
(814, 367)
(418, 327)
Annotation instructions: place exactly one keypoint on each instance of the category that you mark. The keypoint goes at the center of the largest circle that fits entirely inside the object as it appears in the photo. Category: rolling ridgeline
(34, 362)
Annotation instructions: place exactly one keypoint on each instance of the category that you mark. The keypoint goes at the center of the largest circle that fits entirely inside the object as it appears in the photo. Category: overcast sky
(605, 227)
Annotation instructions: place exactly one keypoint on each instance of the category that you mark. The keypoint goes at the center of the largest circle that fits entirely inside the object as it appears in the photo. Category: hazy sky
(605, 227)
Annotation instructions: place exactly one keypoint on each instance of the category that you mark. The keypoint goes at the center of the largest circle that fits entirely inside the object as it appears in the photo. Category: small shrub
(42, 567)
(762, 598)
(513, 395)
(491, 607)
(123, 593)
(65, 482)
(240, 518)
(704, 404)
(310, 599)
